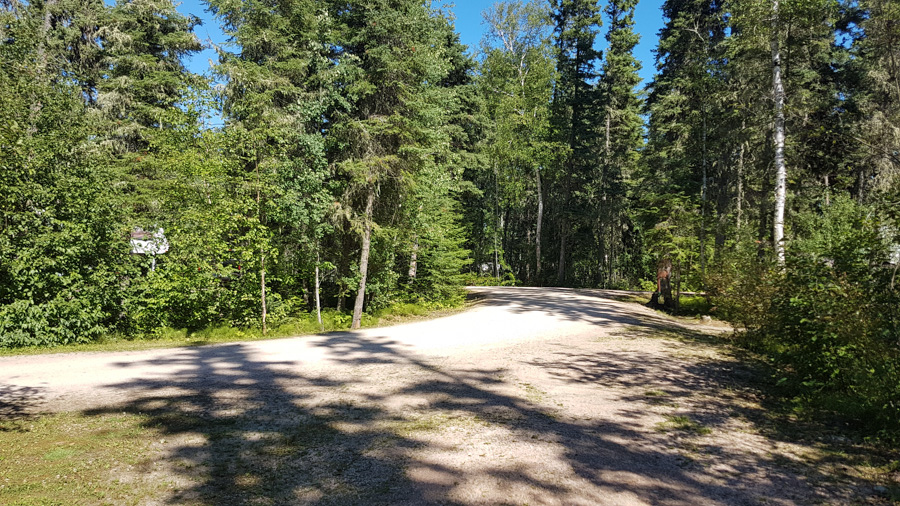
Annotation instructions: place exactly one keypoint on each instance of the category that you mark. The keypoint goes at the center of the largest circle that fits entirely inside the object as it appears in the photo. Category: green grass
(694, 305)
(170, 456)
(74, 459)
(332, 321)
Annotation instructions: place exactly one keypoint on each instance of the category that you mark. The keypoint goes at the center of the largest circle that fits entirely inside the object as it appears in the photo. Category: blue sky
(648, 22)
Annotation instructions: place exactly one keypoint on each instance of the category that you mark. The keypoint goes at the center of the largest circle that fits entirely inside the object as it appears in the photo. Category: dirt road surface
(534, 396)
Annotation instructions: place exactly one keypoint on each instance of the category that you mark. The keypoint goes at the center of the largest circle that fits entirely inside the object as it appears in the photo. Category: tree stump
(663, 285)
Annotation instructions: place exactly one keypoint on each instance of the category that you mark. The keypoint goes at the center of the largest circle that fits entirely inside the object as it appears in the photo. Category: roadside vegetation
(353, 159)
(332, 321)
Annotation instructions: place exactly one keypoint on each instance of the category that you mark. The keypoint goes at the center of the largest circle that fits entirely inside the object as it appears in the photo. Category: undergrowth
(304, 324)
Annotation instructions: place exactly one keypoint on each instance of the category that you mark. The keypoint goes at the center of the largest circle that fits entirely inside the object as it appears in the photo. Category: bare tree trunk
(861, 193)
(764, 213)
(677, 286)
(704, 192)
(498, 224)
(740, 184)
(262, 287)
(780, 168)
(827, 191)
(540, 222)
(364, 260)
(344, 266)
(608, 126)
(663, 284)
(318, 289)
(262, 254)
(413, 260)
(722, 204)
(496, 258)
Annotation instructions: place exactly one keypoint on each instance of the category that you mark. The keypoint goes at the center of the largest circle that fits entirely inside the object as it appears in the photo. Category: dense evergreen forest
(368, 158)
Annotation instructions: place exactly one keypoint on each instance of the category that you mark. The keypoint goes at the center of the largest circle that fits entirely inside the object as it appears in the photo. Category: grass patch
(694, 305)
(532, 393)
(683, 424)
(74, 459)
(435, 422)
(404, 309)
(167, 455)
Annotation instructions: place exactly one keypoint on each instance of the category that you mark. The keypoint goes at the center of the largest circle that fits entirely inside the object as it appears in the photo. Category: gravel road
(534, 396)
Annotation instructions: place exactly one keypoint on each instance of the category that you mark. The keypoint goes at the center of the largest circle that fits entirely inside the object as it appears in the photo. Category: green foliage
(830, 319)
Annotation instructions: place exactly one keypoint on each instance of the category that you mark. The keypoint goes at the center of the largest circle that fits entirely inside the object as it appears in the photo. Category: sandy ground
(534, 396)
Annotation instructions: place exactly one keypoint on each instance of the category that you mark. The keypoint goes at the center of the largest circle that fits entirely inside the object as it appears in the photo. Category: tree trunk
(561, 272)
(413, 260)
(262, 289)
(608, 127)
(861, 189)
(540, 220)
(722, 204)
(262, 254)
(762, 234)
(364, 261)
(346, 245)
(497, 223)
(740, 184)
(318, 289)
(663, 283)
(780, 168)
(677, 304)
(704, 197)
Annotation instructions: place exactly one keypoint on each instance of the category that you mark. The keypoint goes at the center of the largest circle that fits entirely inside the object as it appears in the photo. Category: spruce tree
(277, 100)
(392, 130)
(576, 24)
(621, 141)
(685, 106)
(143, 45)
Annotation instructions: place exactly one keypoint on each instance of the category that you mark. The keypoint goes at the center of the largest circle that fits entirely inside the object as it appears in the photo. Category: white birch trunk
(703, 198)
(780, 169)
(262, 288)
(540, 220)
(740, 186)
(414, 260)
(318, 299)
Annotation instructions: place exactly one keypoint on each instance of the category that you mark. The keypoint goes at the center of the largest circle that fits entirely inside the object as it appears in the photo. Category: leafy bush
(830, 319)
(61, 320)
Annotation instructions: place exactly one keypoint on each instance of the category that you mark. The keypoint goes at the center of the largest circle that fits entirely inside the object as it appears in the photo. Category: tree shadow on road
(18, 402)
(388, 427)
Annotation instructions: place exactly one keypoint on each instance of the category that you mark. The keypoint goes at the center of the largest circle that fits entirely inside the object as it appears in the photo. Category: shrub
(830, 319)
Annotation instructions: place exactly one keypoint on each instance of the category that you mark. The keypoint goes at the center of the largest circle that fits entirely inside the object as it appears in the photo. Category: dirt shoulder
(535, 396)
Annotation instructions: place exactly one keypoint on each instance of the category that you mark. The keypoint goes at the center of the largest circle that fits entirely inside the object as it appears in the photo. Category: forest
(367, 159)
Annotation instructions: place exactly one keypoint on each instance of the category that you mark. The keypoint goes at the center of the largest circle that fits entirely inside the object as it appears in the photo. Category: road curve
(505, 316)
(533, 396)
